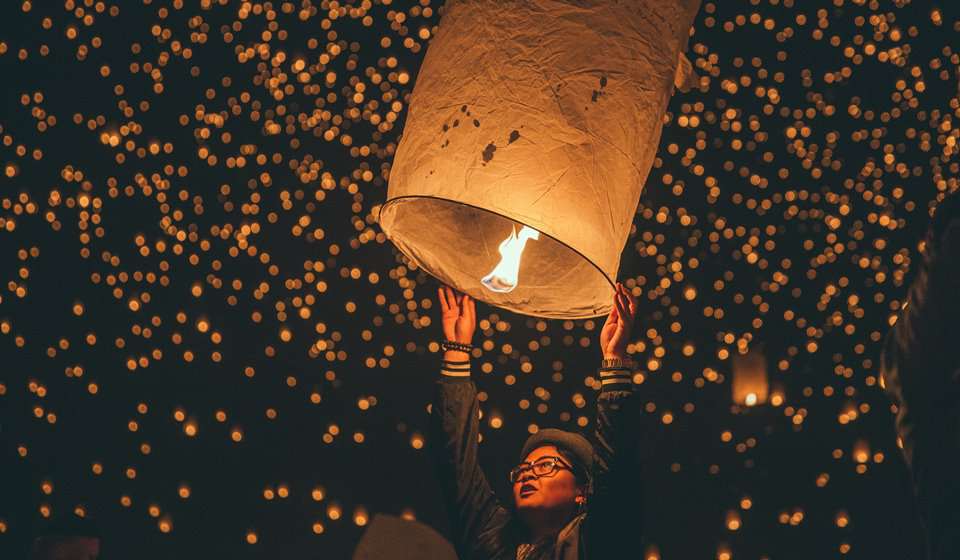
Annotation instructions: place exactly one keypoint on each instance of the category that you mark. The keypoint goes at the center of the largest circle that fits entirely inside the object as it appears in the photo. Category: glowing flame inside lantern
(503, 278)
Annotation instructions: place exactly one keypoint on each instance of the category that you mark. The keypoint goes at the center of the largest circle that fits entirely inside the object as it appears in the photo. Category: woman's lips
(526, 490)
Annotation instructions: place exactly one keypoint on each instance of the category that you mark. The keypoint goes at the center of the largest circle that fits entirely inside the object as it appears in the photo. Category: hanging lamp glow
(537, 116)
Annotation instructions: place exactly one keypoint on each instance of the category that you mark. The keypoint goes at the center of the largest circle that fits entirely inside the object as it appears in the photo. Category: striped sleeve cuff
(455, 369)
(620, 379)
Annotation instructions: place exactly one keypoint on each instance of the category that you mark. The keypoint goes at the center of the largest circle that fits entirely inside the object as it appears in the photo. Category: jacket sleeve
(920, 368)
(614, 508)
(478, 520)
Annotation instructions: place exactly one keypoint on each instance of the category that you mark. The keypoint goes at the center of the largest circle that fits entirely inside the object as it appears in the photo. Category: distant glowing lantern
(861, 451)
(530, 134)
(750, 385)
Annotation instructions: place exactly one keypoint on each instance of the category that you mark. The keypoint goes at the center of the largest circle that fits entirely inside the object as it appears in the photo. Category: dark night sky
(140, 299)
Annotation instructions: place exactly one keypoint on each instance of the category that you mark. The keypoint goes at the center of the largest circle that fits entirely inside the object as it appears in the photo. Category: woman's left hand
(615, 334)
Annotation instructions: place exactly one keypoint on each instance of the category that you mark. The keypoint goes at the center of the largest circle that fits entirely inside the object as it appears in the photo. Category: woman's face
(553, 491)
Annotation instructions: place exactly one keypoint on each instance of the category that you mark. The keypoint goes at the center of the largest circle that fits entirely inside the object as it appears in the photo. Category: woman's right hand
(459, 315)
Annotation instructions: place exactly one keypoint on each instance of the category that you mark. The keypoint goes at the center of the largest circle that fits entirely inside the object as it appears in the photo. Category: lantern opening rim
(393, 200)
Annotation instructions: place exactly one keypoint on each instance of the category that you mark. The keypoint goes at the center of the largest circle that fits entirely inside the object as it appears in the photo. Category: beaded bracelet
(452, 345)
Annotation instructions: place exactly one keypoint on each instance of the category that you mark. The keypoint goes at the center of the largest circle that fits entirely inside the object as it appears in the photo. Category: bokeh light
(210, 347)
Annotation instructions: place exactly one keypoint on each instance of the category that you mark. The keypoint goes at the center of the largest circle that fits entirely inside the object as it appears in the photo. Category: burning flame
(503, 278)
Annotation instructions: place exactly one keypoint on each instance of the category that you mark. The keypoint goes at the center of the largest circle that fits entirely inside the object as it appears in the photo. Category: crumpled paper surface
(539, 112)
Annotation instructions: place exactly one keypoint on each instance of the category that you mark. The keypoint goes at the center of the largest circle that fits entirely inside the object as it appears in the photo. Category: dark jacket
(483, 529)
(920, 366)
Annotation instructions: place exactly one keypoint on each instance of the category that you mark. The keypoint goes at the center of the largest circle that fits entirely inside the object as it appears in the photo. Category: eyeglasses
(544, 466)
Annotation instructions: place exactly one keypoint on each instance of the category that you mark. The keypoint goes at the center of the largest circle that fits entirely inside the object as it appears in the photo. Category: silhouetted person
(920, 366)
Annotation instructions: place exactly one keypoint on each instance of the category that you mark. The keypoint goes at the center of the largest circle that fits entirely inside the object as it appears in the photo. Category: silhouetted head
(73, 538)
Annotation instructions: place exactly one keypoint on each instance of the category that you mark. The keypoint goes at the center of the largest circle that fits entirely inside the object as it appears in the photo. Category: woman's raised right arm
(477, 518)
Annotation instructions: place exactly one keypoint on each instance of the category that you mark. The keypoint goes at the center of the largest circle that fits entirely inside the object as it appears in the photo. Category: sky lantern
(750, 383)
(531, 130)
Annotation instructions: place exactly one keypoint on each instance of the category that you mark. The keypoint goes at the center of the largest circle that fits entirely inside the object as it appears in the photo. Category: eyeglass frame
(559, 464)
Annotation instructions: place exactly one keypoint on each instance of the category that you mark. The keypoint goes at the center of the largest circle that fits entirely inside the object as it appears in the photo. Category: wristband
(617, 363)
(452, 345)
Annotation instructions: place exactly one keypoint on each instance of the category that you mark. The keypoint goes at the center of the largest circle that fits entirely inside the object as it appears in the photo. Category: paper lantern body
(545, 113)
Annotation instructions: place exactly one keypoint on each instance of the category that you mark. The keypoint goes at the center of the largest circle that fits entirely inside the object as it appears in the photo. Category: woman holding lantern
(571, 500)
